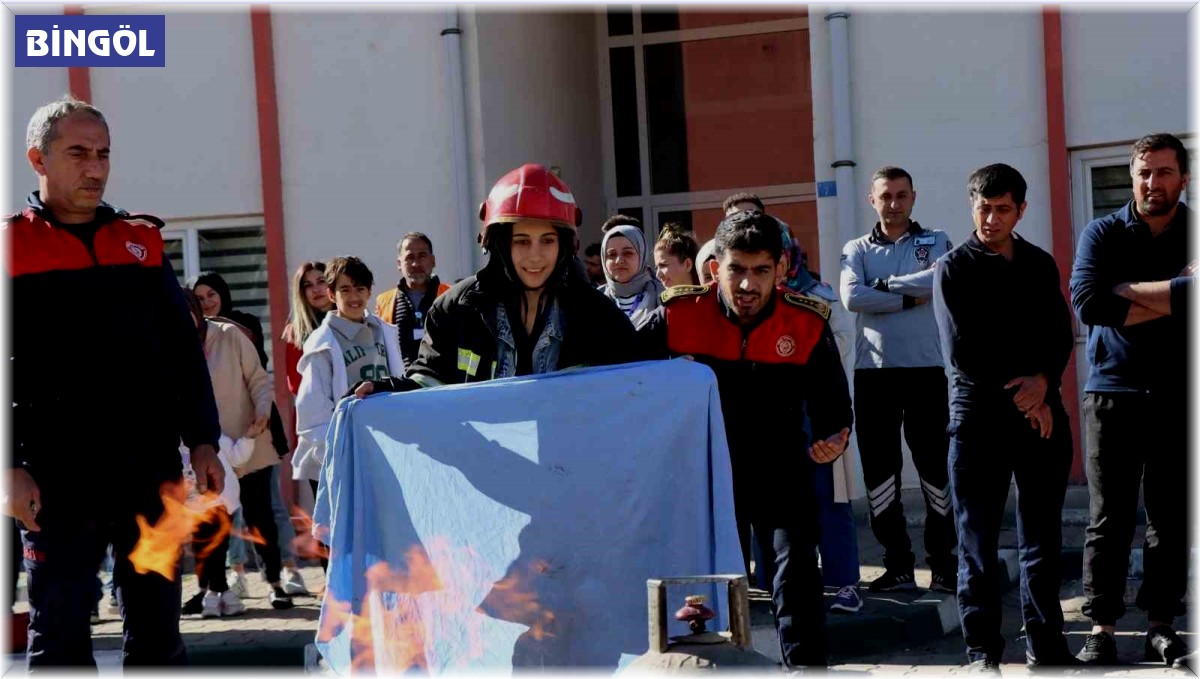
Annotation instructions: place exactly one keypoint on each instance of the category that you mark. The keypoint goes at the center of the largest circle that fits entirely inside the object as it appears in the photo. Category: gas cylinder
(702, 649)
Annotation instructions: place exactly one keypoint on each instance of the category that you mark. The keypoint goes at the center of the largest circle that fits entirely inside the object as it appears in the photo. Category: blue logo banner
(90, 40)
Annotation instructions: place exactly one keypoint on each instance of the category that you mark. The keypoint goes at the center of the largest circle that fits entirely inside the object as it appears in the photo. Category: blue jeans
(986, 453)
(839, 537)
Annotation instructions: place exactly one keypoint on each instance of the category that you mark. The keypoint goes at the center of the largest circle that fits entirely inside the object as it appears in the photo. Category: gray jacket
(888, 286)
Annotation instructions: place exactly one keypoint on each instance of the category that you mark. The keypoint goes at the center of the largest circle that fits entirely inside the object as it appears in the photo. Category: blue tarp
(514, 523)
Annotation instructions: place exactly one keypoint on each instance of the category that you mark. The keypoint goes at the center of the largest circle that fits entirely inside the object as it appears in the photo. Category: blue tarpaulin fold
(514, 523)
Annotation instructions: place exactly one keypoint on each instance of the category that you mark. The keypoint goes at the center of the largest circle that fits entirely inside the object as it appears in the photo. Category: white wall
(539, 101)
(1125, 73)
(942, 93)
(30, 88)
(364, 124)
(185, 137)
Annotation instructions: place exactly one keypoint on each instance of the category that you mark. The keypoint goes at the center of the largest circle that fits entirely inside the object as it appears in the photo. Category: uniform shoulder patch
(149, 221)
(816, 306)
(677, 291)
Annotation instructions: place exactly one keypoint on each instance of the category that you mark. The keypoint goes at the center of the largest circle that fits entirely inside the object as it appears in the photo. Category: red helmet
(529, 192)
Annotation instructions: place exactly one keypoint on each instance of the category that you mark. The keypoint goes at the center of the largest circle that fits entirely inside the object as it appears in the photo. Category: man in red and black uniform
(97, 417)
(762, 342)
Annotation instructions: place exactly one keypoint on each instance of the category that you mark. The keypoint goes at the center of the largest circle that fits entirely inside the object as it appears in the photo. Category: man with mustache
(1130, 285)
(91, 456)
(899, 379)
(762, 341)
(406, 305)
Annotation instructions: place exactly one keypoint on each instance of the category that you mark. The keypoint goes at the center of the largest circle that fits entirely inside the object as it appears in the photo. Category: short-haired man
(620, 220)
(594, 267)
(899, 378)
(837, 483)
(92, 456)
(1130, 285)
(405, 305)
(762, 341)
(1005, 329)
(742, 201)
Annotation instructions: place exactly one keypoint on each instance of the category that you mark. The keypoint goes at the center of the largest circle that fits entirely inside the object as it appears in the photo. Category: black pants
(62, 558)
(260, 516)
(885, 398)
(987, 451)
(210, 564)
(324, 559)
(1136, 441)
(787, 528)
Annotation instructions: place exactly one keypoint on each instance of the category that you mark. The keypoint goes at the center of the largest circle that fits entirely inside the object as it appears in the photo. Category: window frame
(649, 202)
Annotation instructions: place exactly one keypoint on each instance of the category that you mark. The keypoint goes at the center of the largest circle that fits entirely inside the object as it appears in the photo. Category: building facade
(273, 136)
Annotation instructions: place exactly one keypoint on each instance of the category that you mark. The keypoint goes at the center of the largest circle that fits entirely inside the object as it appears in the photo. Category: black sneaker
(1099, 649)
(985, 666)
(891, 581)
(1163, 645)
(280, 600)
(193, 606)
(940, 582)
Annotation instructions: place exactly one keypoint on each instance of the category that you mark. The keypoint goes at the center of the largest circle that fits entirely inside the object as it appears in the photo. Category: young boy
(350, 345)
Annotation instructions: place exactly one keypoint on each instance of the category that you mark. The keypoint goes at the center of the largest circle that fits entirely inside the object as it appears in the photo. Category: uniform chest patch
(785, 346)
(922, 253)
(136, 250)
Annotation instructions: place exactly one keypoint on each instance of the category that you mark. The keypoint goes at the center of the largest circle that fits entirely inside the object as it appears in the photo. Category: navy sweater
(1000, 319)
(1119, 248)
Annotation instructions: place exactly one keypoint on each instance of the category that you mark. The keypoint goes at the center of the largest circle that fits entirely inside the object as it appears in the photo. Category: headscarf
(798, 278)
(643, 282)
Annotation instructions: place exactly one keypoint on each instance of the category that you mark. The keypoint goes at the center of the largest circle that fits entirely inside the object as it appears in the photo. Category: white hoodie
(317, 396)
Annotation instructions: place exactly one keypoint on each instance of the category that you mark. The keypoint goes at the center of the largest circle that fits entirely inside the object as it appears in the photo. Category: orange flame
(304, 544)
(160, 545)
(251, 534)
(436, 593)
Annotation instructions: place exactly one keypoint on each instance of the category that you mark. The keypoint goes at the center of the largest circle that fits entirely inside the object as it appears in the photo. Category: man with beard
(1130, 285)
(406, 305)
(762, 341)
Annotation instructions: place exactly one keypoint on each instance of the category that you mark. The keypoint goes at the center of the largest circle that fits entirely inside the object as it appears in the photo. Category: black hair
(592, 250)
(993, 181)
(742, 197)
(749, 232)
(621, 220)
(891, 172)
(350, 267)
(1157, 142)
(213, 280)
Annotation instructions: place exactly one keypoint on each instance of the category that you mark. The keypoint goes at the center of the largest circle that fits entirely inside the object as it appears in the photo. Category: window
(234, 248)
(701, 104)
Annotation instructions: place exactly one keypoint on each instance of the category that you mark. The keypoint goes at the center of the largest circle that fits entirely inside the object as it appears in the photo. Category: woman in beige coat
(244, 396)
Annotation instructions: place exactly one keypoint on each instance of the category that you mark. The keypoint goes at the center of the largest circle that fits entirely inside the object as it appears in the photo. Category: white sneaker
(231, 604)
(210, 606)
(293, 583)
(237, 585)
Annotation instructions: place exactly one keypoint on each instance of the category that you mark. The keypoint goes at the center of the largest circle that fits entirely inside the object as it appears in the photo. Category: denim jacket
(545, 352)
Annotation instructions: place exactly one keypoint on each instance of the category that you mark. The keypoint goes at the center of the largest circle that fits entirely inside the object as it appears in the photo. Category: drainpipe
(843, 140)
(464, 212)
